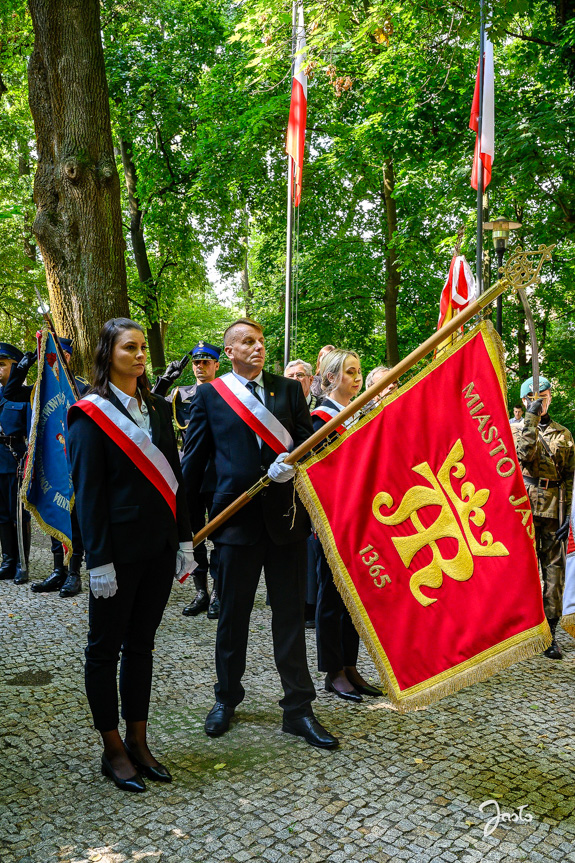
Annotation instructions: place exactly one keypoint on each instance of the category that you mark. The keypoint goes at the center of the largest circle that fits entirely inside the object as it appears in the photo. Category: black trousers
(201, 551)
(239, 569)
(9, 498)
(78, 553)
(126, 622)
(314, 552)
(337, 638)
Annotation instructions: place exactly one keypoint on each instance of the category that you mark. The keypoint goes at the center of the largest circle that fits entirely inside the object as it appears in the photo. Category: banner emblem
(466, 508)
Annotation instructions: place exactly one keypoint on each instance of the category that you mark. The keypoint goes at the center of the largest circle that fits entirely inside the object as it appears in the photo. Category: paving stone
(258, 794)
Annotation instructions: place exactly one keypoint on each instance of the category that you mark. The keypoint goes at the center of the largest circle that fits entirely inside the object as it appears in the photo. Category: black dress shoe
(133, 783)
(218, 719)
(353, 695)
(199, 603)
(21, 576)
(54, 581)
(159, 773)
(553, 651)
(214, 606)
(366, 689)
(312, 732)
(72, 586)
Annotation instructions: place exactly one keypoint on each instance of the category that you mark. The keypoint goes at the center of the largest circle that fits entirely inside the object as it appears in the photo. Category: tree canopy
(199, 98)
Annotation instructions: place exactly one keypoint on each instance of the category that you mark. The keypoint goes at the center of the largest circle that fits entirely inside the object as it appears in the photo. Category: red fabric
(327, 417)
(484, 157)
(502, 598)
(296, 135)
(448, 300)
(247, 416)
(133, 451)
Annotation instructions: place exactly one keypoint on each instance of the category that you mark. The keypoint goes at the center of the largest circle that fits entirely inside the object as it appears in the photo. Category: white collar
(244, 381)
(127, 400)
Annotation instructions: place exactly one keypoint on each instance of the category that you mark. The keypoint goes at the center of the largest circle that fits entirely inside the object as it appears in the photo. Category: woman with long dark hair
(135, 528)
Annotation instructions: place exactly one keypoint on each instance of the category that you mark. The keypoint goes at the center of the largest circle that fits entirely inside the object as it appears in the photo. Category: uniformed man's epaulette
(82, 380)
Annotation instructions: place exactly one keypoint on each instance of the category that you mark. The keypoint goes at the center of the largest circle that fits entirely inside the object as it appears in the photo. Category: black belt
(541, 482)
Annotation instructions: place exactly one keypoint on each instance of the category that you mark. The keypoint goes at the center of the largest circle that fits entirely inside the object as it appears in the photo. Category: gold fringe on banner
(567, 623)
(46, 528)
(523, 645)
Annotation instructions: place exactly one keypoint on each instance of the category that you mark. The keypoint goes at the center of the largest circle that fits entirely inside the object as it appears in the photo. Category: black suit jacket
(123, 517)
(216, 432)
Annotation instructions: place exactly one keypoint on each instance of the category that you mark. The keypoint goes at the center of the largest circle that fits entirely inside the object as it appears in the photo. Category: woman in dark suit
(136, 532)
(337, 638)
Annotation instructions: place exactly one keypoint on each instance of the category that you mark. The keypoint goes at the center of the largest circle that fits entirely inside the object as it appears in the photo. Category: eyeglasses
(299, 375)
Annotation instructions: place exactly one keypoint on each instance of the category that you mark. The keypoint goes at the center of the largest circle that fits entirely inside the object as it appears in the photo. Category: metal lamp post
(500, 231)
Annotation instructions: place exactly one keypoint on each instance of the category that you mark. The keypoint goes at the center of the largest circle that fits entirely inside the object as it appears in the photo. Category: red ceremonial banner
(422, 511)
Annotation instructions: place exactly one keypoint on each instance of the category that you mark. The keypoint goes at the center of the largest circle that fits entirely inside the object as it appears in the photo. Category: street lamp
(500, 231)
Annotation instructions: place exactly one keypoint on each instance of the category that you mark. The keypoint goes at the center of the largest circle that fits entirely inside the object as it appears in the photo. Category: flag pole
(289, 238)
(389, 377)
(479, 252)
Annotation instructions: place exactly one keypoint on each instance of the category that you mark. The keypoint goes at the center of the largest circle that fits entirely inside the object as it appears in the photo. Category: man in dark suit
(266, 533)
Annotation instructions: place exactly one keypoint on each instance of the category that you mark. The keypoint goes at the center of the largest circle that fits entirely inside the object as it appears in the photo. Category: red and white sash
(327, 413)
(135, 443)
(253, 413)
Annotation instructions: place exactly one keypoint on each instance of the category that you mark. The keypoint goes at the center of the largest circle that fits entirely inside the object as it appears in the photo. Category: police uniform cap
(205, 351)
(9, 352)
(527, 386)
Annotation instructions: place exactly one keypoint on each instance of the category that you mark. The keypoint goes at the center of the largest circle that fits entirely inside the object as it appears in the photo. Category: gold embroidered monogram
(454, 521)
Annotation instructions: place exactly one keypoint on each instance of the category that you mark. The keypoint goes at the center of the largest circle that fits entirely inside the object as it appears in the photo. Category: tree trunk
(76, 188)
(393, 276)
(29, 247)
(155, 340)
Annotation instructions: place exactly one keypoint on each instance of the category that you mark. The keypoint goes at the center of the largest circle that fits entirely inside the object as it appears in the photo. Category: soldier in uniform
(546, 453)
(15, 416)
(205, 363)
(67, 581)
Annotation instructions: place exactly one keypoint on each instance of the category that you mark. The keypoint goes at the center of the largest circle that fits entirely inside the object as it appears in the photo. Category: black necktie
(252, 387)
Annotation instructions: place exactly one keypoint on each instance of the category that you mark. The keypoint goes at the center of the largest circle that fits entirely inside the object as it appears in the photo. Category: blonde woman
(337, 638)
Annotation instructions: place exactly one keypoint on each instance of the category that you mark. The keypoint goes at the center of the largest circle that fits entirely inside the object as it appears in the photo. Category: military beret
(205, 351)
(9, 352)
(527, 386)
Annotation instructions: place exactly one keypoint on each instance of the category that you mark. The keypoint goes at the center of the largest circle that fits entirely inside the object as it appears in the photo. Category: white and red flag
(459, 290)
(298, 109)
(484, 148)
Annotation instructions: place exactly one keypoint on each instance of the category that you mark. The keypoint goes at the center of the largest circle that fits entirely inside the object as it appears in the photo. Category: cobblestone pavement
(401, 787)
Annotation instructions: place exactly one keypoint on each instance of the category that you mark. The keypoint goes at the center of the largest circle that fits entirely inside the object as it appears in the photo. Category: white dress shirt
(140, 415)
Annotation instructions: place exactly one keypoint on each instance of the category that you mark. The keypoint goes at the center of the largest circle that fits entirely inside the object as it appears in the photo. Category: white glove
(280, 472)
(185, 563)
(103, 581)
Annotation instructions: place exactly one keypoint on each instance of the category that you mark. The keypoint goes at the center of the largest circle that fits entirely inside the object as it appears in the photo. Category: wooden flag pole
(389, 377)
(519, 274)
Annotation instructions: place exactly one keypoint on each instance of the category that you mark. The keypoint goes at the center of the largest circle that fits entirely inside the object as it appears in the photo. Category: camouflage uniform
(546, 454)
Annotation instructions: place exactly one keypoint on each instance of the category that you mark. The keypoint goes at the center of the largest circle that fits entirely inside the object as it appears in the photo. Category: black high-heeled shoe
(367, 689)
(353, 695)
(156, 774)
(132, 783)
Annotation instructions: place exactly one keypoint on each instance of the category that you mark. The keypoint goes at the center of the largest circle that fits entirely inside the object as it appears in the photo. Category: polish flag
(298, 109)
(485, 149)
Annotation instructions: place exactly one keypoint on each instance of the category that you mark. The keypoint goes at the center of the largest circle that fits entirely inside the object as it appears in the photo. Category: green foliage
(200, 91)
